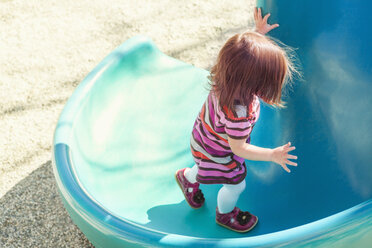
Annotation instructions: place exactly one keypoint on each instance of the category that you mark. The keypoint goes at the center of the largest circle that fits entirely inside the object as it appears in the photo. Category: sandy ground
(46, 49)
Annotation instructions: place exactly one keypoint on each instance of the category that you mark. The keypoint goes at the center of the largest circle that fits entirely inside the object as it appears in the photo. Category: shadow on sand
(32, 214)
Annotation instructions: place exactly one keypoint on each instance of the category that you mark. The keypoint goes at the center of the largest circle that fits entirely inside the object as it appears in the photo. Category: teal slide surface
(126, 130)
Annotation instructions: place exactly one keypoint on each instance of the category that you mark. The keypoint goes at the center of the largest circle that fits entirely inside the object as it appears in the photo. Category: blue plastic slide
(126, 130)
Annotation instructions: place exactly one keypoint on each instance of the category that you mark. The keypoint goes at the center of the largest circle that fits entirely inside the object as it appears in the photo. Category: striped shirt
(216, 162)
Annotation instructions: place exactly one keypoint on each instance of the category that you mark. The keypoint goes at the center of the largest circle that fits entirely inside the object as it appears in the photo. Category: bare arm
(278, 155)
(248, 151)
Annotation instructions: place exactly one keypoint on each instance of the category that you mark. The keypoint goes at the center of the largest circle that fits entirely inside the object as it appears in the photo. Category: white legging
(227, 196)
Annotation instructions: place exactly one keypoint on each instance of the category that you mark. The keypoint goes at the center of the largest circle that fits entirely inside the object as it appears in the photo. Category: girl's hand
(262, 26)
(280, 156)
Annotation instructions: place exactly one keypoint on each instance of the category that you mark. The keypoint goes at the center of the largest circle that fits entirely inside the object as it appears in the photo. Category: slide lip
(73, 105)
(83, 203)
(99, 217)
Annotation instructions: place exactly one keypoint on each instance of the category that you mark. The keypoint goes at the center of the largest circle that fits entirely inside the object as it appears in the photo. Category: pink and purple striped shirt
(216, 162)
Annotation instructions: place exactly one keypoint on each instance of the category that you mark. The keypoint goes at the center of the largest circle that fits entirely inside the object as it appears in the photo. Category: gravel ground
(46, 49)
(33, 215)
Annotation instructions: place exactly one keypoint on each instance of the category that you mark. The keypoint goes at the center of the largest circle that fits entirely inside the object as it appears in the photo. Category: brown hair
(250, 64)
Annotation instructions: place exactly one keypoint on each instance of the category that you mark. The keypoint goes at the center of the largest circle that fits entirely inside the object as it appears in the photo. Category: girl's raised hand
(261, 23)
(280, 156)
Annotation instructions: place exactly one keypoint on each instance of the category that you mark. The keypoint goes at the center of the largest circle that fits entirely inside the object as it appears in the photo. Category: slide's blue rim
(80, 200)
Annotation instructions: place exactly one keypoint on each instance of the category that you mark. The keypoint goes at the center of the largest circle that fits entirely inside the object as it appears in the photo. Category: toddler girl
(249, 67)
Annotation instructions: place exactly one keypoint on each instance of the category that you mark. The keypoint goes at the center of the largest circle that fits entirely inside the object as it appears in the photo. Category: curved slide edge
(349, 228)
(62, 132)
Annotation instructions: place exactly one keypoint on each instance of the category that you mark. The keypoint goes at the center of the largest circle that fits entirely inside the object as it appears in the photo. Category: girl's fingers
(290, 163)
(285, 168)
(291, 156)
(255, 13)
(259, 13)
(290, 149)
(274, 26)
(266, 17)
